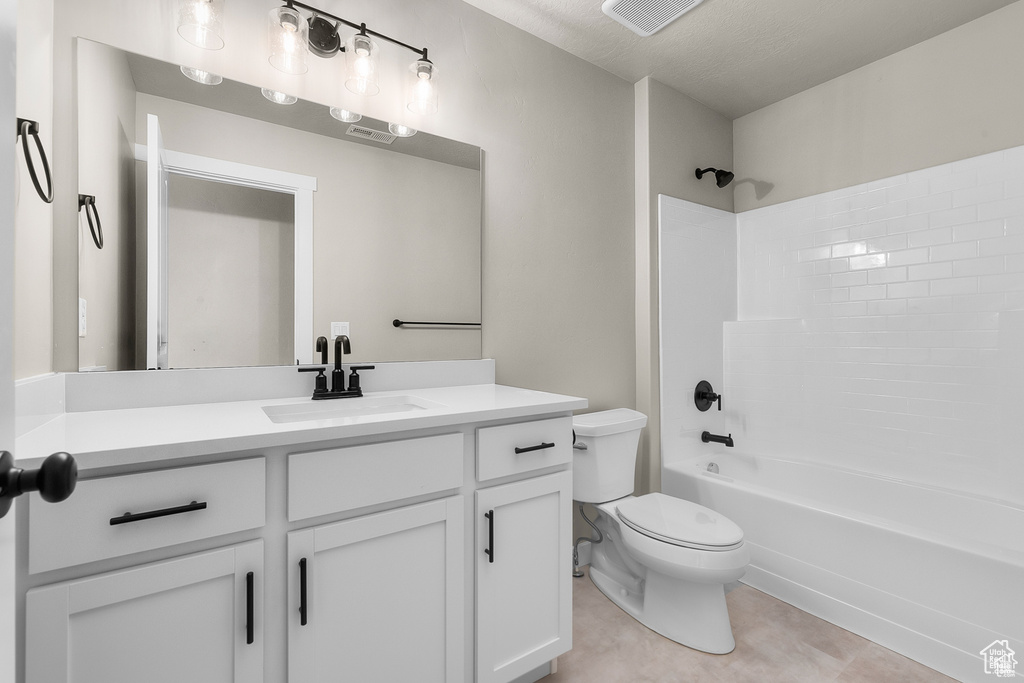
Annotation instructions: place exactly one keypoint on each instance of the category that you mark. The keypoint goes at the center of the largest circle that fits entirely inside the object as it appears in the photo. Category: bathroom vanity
(416, 534)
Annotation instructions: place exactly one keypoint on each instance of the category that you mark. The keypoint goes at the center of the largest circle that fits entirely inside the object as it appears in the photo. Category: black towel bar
(399, 323)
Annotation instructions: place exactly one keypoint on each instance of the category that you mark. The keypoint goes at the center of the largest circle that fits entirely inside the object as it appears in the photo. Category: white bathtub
(929, 573)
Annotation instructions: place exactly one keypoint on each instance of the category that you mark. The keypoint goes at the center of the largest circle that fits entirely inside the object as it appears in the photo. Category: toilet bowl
(663, 560)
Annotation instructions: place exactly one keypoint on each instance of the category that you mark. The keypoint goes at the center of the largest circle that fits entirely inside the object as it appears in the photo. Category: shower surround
(875, 330)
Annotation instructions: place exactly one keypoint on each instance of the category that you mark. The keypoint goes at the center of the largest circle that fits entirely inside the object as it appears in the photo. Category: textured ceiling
(737, 56)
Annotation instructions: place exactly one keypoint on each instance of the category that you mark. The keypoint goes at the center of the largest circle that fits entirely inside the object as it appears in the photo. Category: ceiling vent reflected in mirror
(646, 17)
(370, 134)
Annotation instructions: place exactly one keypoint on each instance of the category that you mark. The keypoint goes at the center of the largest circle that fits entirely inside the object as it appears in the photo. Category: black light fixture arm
(359, 27)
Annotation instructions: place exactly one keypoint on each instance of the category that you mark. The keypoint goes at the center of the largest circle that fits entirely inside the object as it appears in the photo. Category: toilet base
(691, 614)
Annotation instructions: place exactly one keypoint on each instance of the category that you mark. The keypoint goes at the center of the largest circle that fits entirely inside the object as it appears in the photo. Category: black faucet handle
(353, 379)
(704, 395)
(321, 379)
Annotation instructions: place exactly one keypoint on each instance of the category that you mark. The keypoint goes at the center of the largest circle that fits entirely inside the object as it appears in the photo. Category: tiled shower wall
(881, 328)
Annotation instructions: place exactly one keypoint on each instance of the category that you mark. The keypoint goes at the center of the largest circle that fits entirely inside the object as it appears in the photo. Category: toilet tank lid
(607, 422)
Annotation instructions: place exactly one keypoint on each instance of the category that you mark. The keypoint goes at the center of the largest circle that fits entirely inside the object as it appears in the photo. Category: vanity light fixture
(401, 131)
(201, 23)
(422, 97)
(345, 115)
(289, 40)
(278, 97)
(200, 76)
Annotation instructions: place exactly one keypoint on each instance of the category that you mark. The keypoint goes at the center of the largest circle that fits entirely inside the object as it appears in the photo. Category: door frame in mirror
(301, 188)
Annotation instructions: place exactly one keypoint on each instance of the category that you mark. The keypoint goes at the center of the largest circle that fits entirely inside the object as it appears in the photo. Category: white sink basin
(337, 408)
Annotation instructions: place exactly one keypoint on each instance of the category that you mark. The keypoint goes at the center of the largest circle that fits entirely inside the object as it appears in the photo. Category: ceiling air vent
(645, 17)
(370, 134)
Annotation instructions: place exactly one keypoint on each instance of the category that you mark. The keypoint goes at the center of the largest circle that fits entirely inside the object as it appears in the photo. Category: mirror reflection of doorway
(231, 278)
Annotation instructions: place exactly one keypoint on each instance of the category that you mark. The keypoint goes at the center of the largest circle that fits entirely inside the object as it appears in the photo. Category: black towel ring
(25, 129)
(89, 202)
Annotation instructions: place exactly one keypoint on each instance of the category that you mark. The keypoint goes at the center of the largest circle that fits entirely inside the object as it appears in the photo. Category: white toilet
(663, 560)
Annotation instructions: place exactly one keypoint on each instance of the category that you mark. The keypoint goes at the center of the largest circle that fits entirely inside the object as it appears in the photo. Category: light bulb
(361, 56)
(200, 76)
(401, 131)
(200, 22)
(288, 38)
(345, 115)
(422, 91)
(278, 97)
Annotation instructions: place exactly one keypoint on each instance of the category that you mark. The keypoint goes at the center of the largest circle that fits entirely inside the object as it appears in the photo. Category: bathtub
(933, 574)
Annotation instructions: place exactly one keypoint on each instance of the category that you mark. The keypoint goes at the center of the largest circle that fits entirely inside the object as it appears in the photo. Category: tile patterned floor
(774, 642)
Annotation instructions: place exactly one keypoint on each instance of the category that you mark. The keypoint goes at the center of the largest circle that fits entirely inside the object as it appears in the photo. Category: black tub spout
(708, 437)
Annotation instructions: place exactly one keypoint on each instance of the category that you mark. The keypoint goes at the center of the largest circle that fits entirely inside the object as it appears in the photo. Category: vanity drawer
(540, 443)
(340, 479)
(167, 507)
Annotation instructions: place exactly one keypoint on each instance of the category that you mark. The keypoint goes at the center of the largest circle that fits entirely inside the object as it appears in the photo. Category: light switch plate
(81, 317)
(339, 328)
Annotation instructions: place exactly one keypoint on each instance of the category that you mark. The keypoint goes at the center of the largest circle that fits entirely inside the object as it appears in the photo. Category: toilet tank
(604, 470)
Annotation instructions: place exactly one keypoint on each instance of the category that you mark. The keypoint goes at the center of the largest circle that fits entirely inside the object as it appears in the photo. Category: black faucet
(707, 437)
(341, 347)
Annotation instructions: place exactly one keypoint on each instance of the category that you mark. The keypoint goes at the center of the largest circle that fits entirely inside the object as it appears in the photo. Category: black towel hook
(89, 202)
(25, 129)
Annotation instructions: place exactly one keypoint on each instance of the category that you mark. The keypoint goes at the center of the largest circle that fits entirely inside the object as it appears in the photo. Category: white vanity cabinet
(379, 597)
(194, 618)
(523, 544)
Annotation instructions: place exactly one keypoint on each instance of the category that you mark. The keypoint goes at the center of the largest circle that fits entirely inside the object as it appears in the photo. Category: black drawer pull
(489, 550)
(538, 447)
(249, 608)
(302, 591)
(139, 516)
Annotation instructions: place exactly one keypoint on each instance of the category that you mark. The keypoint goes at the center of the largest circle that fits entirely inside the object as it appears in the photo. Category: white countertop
(110, 438)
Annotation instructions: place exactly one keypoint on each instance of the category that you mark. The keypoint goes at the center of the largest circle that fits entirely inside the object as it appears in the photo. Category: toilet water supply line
(576, 571)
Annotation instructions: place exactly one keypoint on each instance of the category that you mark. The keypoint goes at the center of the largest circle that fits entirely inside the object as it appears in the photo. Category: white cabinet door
(523, 574)
(379, 598)
(196, 618)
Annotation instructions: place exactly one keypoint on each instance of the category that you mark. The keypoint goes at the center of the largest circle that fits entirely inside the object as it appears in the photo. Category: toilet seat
(679, 522)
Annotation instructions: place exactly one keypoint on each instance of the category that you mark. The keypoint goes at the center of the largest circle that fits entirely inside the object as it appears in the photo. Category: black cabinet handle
(152, 514)
(489, 550)
(249, 608)
(302, 591)
(538, 447)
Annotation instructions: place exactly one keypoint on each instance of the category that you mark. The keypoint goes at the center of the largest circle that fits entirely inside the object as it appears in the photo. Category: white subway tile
(908, 256)
(907, 290)
(907, 223)
(814, 253)
(849, 249)
(848, 218)
(1014, 263)
(958, 216)
(1010, 244)
(838, 265)
(867, 292)
(880, 276)
(993, 301)
(1006, 282)
(978, 231)
(912, 189)
(873, 227)
(832, 236)
(928, 305)
(867, 261)
(890, 243)
(929, 237)
(978, 195)
(896, 308)
(930, 203)
(949, 252)
(989, 265)
(851, 279)
(1001, 209)
(930, 271)
(950, 286)
(849, 309)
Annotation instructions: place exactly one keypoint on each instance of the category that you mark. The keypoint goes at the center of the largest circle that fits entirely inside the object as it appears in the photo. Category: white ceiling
(737, 56)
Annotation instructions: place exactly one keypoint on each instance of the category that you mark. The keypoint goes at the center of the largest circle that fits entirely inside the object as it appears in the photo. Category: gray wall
(558, 304)
(957, 95)
(675, 135)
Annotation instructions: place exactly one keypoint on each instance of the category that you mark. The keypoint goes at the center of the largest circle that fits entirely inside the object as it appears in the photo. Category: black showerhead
(722, 178)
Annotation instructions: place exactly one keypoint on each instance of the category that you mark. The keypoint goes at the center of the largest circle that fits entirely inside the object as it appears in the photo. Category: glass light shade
(201, 23)
(401, 131)
(345, 115)
(278, 97)
(361, 57)
(422, 95)
(200, 76)
(288, 33)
